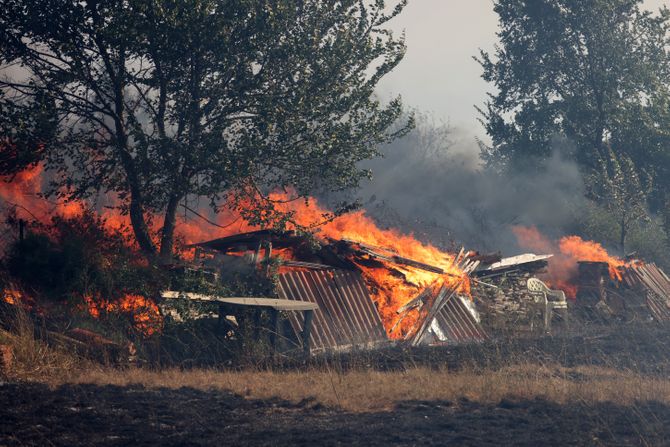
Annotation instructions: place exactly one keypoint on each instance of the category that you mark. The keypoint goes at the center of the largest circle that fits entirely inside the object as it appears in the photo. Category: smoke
(432, 183)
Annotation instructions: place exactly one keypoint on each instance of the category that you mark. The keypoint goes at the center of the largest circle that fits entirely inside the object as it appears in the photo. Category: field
(607, 386)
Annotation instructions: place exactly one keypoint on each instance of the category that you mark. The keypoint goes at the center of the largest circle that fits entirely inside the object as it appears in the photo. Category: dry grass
(32, 359)
(373, 390)
(354, 390)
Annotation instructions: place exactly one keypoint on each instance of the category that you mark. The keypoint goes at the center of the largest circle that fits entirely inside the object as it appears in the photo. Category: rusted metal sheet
(656, 283)
(346, 315)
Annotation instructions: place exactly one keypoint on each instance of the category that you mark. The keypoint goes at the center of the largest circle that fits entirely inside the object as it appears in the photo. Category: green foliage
(164, 101)
(646, 239)
(74, 257)
(593, 70)
(617, 186)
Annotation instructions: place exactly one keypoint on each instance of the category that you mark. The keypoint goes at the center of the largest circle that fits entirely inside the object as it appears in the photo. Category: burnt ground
(639, 347)
(73, 415)
(32, 414)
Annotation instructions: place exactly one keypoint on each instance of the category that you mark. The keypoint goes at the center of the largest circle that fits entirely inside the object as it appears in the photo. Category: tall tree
(622, 191)
(592, 70)
(160, 100)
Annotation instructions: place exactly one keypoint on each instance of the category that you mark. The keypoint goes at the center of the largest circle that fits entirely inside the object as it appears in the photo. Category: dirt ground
(84, 414)
(33, 415)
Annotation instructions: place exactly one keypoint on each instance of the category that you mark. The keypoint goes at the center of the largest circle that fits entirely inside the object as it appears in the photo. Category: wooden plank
(307, 265)
(444, 295)
(368, 246)
(274, 303)
(396, 259)
(417, 301)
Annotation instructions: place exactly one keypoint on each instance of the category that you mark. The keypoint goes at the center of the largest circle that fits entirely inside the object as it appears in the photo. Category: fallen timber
(396, 259)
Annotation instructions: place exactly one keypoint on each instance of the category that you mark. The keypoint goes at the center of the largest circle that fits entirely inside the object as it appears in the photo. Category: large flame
(568, 251)
(578, 248)
(391, 285)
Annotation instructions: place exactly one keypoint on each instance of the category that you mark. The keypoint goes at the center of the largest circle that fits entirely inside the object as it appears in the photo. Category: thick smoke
(432, 183)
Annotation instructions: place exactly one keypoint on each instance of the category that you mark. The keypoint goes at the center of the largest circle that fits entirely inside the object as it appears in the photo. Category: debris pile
(366, 294)
(640, 292)
(501, 290)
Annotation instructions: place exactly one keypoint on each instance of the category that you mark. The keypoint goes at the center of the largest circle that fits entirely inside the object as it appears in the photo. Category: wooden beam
(417, 264)
(442, 298)
(306, 331)
(274, 329)
(307, 265)
(417, 301)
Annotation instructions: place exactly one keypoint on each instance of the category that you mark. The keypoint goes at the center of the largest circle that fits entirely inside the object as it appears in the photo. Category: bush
(75, 257)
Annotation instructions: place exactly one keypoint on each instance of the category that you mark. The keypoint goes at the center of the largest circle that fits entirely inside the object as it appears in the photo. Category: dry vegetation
(358, 389)
(31, 359)
(374, 390)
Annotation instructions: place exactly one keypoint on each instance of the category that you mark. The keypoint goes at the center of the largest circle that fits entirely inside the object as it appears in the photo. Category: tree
(592, 70)
(621, 190)
(161, 100)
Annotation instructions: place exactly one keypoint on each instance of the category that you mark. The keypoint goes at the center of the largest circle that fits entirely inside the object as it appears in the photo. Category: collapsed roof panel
(657, 284)
(251, 239)
(515, 261)
(457, 322)
(346, 315)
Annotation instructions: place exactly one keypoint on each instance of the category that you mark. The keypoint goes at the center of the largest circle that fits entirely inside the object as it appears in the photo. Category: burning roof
(362, 289)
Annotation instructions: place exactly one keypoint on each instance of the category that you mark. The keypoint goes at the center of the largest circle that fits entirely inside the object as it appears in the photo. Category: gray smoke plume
(432, 183)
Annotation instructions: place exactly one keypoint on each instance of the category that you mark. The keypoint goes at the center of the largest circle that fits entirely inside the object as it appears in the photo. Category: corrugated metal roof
(656, 283)
(458, 323)
(346, 315)
(452, 323)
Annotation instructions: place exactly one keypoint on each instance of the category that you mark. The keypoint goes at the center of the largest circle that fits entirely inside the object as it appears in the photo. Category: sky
(438, 73)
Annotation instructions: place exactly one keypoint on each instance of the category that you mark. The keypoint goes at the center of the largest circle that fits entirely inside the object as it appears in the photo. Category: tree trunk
(140, 229)
(169, 225)
(622, 241)
(137, 220)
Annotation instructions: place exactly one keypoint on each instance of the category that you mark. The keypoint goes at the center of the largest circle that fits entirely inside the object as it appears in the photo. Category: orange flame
(568, 251)
(10, 296)
(144, 313)
(391, 285)
(582, 250)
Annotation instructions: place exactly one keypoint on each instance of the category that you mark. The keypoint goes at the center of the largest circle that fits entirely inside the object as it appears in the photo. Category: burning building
(366, 295)
(369, 286)
(635, 291)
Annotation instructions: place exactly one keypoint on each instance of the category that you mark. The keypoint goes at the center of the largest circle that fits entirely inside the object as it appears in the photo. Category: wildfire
(568, 251)
(144, 313)
(391, 285)
(582, 250)
(10, 296)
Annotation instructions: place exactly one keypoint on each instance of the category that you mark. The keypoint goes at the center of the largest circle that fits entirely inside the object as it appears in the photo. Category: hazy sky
(438, 73)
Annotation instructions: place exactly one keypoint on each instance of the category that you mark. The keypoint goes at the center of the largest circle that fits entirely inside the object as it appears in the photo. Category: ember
(144, 313)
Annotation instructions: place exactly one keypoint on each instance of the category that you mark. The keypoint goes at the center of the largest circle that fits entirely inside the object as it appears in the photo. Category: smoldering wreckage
(346, 294)
(358, 290)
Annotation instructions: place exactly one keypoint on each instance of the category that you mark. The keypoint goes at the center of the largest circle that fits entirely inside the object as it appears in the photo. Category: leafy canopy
(162, 101)
(595, 71)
